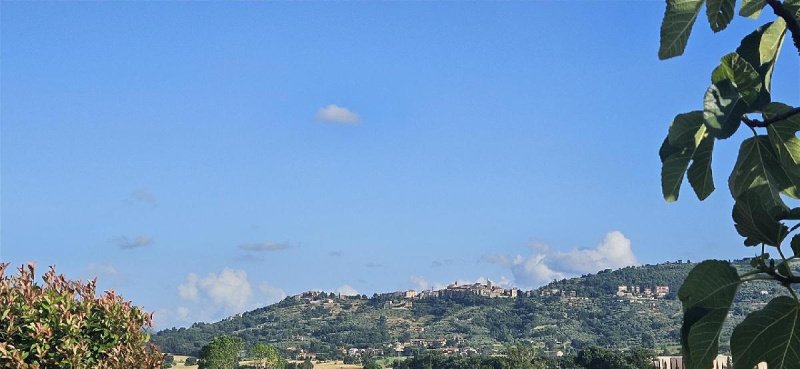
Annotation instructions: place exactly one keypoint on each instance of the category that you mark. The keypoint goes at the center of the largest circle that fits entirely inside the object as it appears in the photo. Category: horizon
(202, 159)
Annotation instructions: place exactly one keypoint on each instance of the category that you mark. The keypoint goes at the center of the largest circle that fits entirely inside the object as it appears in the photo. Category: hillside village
(455, 344)
(629, 307)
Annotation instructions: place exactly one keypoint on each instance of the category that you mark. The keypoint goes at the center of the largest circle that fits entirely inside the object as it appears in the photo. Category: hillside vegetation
(385, 325)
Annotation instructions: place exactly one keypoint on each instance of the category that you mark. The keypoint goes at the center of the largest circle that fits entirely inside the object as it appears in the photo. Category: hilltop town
(624, 308)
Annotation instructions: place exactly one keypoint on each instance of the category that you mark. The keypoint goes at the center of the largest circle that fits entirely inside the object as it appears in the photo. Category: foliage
(600, 358)
(221, 353)
(765, 175)
(169, 361)
(595, 317)
(522, 357)
(267, 356)
(63, 324)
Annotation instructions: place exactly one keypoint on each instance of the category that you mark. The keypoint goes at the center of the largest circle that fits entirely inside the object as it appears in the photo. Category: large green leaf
(783, 134)
(683, 130)
(706, 295)
(677, 25)
(758, 167)
(741, 74)
(674, 162)
(686, 133)
(723, 108)
(760, 49)
(751, 8)
(720, 13)
(700, 175)
(756, 220)
(770, 335)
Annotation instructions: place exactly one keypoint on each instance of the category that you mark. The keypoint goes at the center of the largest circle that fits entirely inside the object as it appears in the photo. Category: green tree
(169, 361)
(63, 324)
(306, 364)
(372, 364)
(766, 173)
(600, 358)
(521, 356)
(267, 356)
(221, 353)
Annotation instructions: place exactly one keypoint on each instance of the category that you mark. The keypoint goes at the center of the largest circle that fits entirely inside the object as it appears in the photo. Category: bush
(64, 324)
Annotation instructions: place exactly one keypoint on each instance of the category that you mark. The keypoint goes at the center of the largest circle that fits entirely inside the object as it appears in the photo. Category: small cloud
(144, 197)
(188, 290)
(421, 284)
(230, 288)
(182, 312)
(265, 246)
(337, 114)
(271, 293)
(373, 265)
(335, 253)
(124, 242)
(347, 290)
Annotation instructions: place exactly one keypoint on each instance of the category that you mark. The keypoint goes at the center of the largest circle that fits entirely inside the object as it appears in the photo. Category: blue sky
(206, 158)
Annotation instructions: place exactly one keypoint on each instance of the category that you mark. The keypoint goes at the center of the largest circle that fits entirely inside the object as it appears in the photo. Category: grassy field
(180, 364)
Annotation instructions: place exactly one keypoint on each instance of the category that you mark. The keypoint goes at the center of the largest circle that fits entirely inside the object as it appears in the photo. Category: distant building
(676, 362)
(479, 289)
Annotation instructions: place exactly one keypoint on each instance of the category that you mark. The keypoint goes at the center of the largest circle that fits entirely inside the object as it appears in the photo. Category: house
(676, 362)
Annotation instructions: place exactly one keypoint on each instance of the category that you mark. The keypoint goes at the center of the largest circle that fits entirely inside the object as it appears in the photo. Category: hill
(563, 315)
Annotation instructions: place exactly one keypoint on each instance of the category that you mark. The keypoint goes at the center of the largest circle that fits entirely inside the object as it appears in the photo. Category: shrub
(63, 324)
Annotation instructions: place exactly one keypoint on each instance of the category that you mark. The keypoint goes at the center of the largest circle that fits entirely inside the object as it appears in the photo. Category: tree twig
(752, 123)
(791, 22)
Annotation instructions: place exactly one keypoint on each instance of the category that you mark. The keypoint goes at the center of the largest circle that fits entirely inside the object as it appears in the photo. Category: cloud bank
(546, 264)
(218, 295)
(337, 114)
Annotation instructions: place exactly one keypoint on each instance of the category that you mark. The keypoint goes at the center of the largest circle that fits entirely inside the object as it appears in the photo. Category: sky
(207, 158)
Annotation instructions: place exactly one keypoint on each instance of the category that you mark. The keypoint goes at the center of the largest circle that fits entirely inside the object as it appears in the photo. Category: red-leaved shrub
(63, 324)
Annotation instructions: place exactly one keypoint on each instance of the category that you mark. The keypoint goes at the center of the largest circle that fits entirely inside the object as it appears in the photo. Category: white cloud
(347, 290)
(217, 295)
(124, 242)
(182, 312)
(230, 289)
(419, 283)
(337, 114)
(271, 293)
(546, 264)
(613, 252)
(188, 290)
